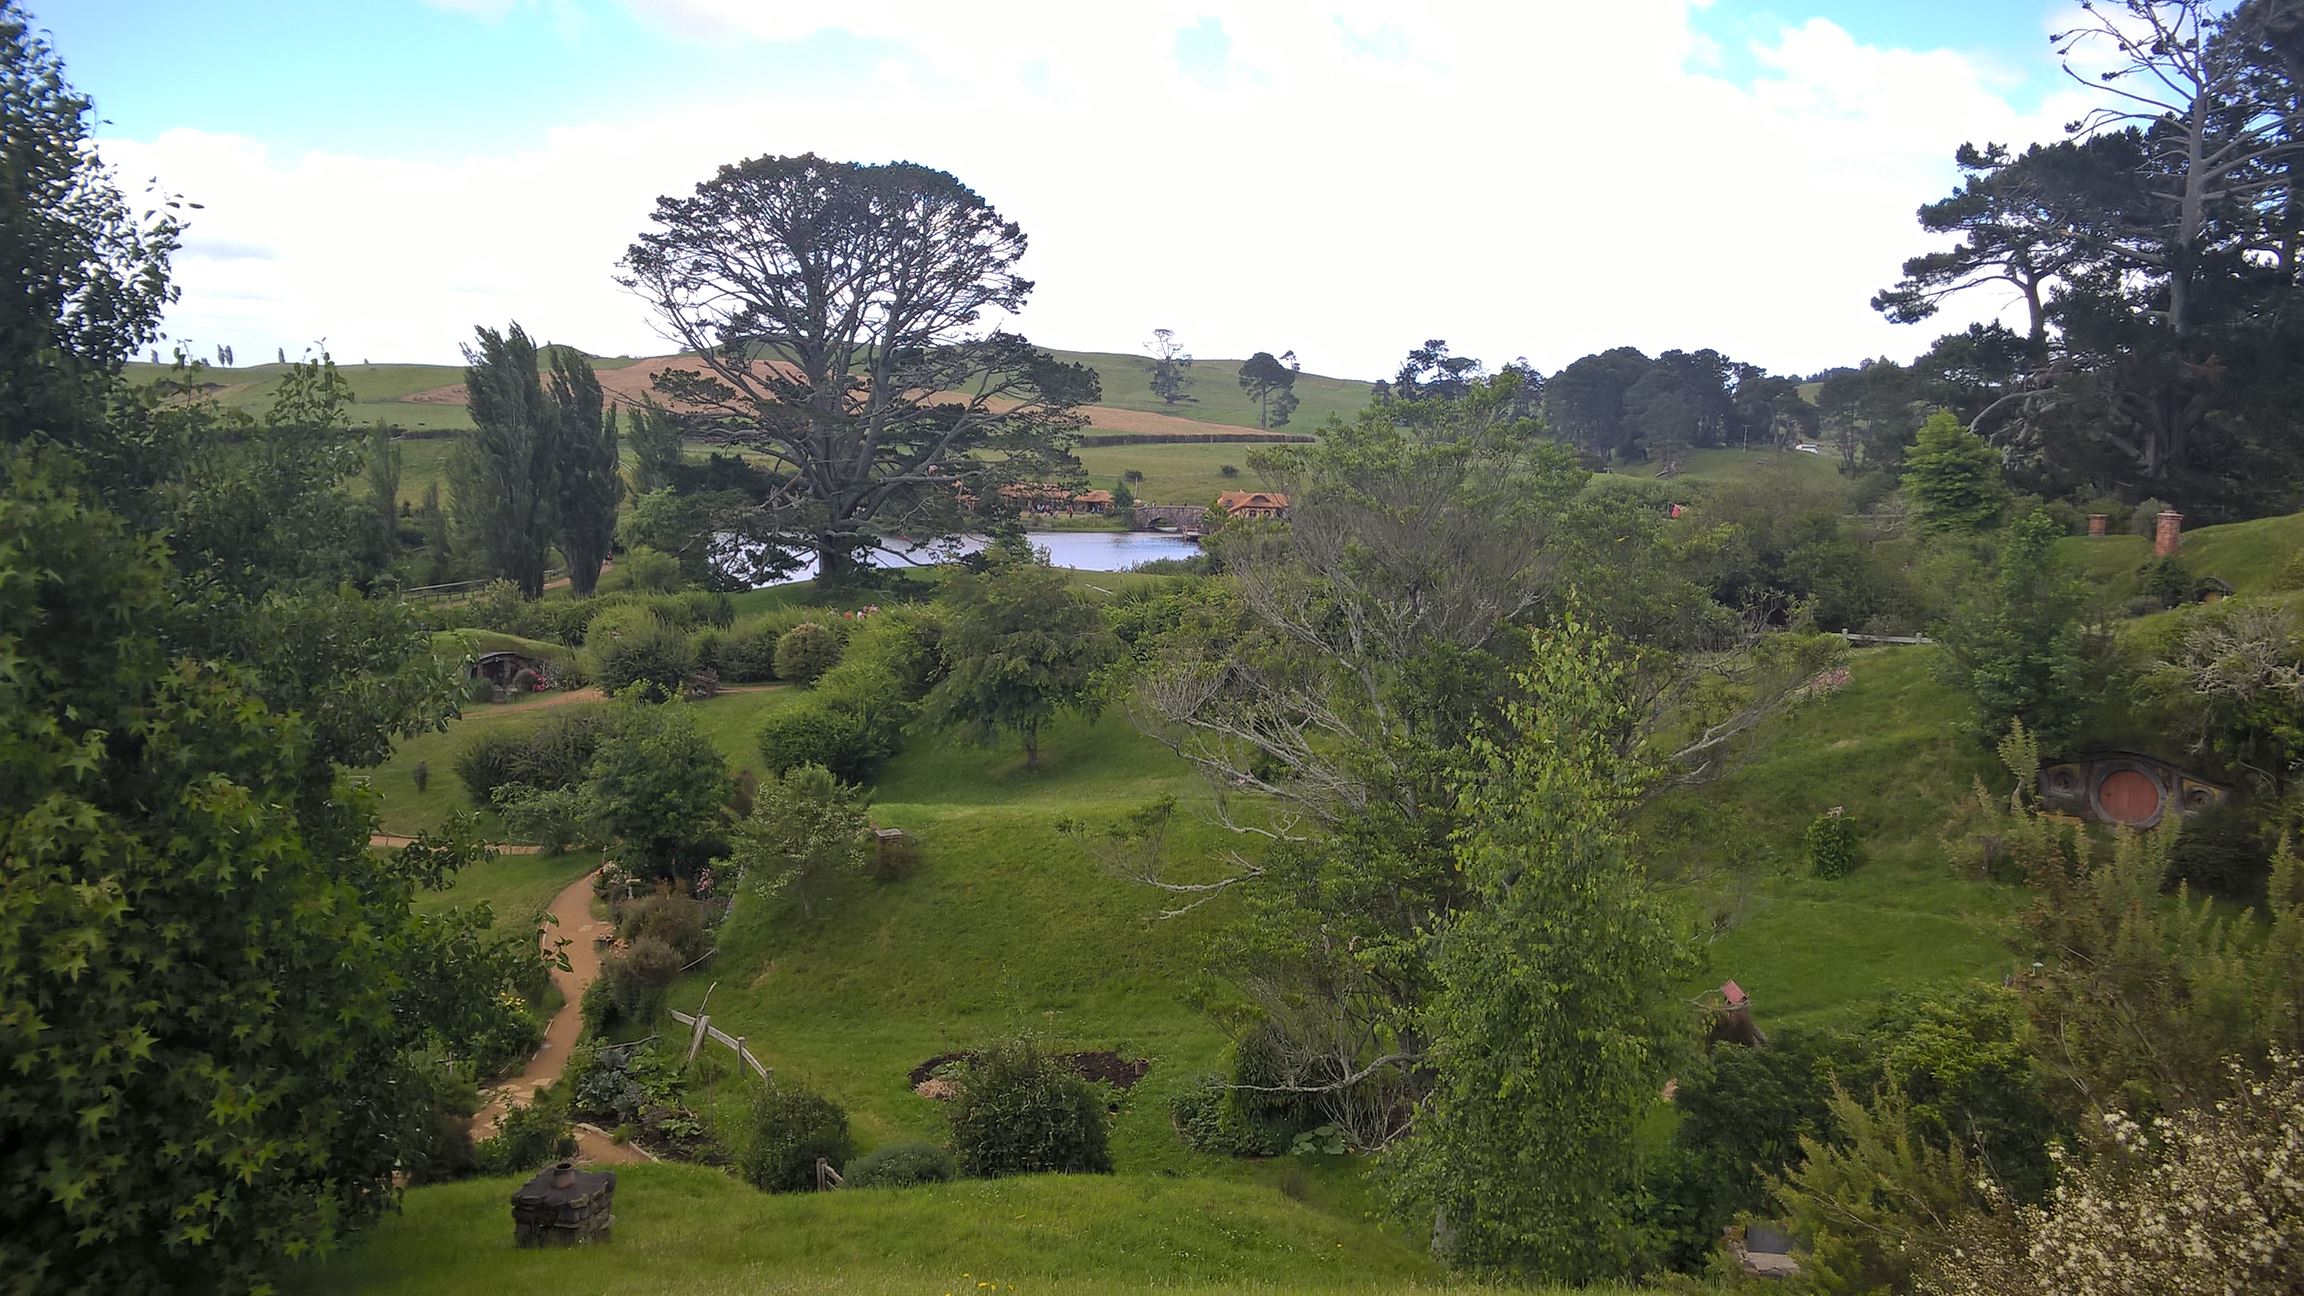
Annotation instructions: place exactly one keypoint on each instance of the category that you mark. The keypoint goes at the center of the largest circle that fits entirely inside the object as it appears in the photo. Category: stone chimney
(2167, 534)
(2095, 525)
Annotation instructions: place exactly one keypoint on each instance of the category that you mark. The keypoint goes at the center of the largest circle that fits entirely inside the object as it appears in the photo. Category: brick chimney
(2167, 534)
(2095, 525)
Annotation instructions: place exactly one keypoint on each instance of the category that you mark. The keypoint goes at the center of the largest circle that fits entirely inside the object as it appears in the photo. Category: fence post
(696, 1036)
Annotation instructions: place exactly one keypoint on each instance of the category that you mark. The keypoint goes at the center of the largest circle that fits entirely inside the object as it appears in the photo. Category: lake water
(1081, 550)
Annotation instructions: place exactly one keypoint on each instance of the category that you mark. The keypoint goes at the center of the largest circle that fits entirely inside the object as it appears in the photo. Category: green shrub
(638, 978)
(807, 651)
(1019, 1111)
(421, 775)
(635, 646)
(1835, 844)
(557, 819)
(791, 1126)
(597, 1007)
(901, 1165)
(675, 920)
(809, 733)
(527, 1138)
(2167, 581)
(748, 656)
(443, 1149)
(649, 570)
(557, 753)
(479, 689)
(1246, 1117)
(492, 759)
(2223, 851)
(2145, 520)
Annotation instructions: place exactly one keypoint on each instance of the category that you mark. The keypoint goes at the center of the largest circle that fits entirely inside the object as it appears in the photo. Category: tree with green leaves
(381, 467)
(503, 476)
(657, 445)
(660, 788)
(1019, 646)
(2015, 644)
(590, 483)
(1272, 385)
(1555, 1016)
(807, 832)
(1171, 371)
(834, 311)
(1953, 478)
(83, 274)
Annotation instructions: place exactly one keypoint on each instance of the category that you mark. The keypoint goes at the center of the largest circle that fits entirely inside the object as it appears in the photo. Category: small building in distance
(1253, 504)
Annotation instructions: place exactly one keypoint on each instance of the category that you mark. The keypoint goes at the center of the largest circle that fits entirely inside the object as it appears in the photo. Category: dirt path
(573, 910)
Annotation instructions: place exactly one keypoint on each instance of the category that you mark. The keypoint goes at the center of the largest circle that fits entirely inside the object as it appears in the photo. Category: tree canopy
(835, 309)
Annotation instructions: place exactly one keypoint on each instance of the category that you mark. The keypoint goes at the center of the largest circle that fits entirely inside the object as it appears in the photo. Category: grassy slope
(1006, 927)
(1891, 748)
(2249, 555)
(696, 1232)
(1215, 393)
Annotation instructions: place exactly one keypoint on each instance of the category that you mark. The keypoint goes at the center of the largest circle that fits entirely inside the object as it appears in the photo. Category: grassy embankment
(696, 1232)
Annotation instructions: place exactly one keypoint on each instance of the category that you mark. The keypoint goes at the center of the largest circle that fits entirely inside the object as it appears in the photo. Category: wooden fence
(1877, 641)
(701, 1028)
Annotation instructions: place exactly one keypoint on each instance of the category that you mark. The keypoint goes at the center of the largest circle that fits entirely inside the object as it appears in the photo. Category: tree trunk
(835, 562)
(1031, 749)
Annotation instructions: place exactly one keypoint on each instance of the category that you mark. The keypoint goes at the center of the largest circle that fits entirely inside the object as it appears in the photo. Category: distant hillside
(429, 396)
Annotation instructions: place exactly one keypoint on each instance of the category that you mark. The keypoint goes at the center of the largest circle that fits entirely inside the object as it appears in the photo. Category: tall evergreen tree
(590, 483)
(504, 477)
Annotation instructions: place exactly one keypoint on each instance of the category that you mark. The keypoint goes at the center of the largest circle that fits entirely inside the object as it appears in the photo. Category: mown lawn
(692, 1231)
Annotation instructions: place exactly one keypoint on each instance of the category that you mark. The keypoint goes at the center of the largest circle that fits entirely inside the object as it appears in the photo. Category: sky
(1342, 179)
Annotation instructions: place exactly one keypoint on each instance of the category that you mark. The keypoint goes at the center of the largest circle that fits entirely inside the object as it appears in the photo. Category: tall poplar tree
(503, 478)
(590, 484)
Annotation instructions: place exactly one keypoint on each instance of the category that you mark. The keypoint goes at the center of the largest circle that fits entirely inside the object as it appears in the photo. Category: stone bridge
(1184, 517)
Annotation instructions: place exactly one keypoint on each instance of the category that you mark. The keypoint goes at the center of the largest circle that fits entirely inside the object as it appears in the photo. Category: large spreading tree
(835, 310)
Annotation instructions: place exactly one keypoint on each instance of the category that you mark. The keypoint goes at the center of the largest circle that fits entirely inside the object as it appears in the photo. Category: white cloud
(1517, 179)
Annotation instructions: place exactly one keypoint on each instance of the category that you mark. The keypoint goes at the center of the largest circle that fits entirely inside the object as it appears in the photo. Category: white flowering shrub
(2206, 1202)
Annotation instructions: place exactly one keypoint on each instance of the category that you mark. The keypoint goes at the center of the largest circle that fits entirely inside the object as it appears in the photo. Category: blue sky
(1345, 179)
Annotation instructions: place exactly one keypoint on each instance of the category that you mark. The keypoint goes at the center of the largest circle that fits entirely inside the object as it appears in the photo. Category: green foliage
(1743, 1112)
(551, 757)
(638, 978)
(1835, 844)
(659, 787)
(503, 483)
(1020, 1111)
(2167, 581)
(806, 832)
(675, 920)
(558, 819)
(791, 1126)
(1018, 646)
(2015, 647)
(527, 1138)
(2224, 851)
(1877, 1203)
(1554, 1017)
(1253, 1114)
(442, 1147)
(806, 651)
(1953, 477)
(650, 570)
(902, 1165)
(202, 949)
(587, 483)
(632, 647)
(856, 718)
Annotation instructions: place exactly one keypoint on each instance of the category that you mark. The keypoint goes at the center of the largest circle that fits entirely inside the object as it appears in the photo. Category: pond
(1082, 550)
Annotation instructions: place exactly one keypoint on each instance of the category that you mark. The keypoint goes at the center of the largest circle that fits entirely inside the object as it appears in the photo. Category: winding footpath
(572, 909)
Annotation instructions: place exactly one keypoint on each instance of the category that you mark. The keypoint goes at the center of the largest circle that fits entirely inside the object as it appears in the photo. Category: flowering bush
(2208, 1200)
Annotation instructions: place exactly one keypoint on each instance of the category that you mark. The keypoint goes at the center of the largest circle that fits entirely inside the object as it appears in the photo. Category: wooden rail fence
(701, 1028)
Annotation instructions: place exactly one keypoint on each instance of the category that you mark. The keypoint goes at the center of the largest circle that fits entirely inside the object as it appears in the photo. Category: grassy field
(1216, 396)
(696, 1232)
(514, 887)
(1173, 474)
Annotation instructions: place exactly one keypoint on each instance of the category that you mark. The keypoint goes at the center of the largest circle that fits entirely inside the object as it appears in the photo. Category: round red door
(2128, 797)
